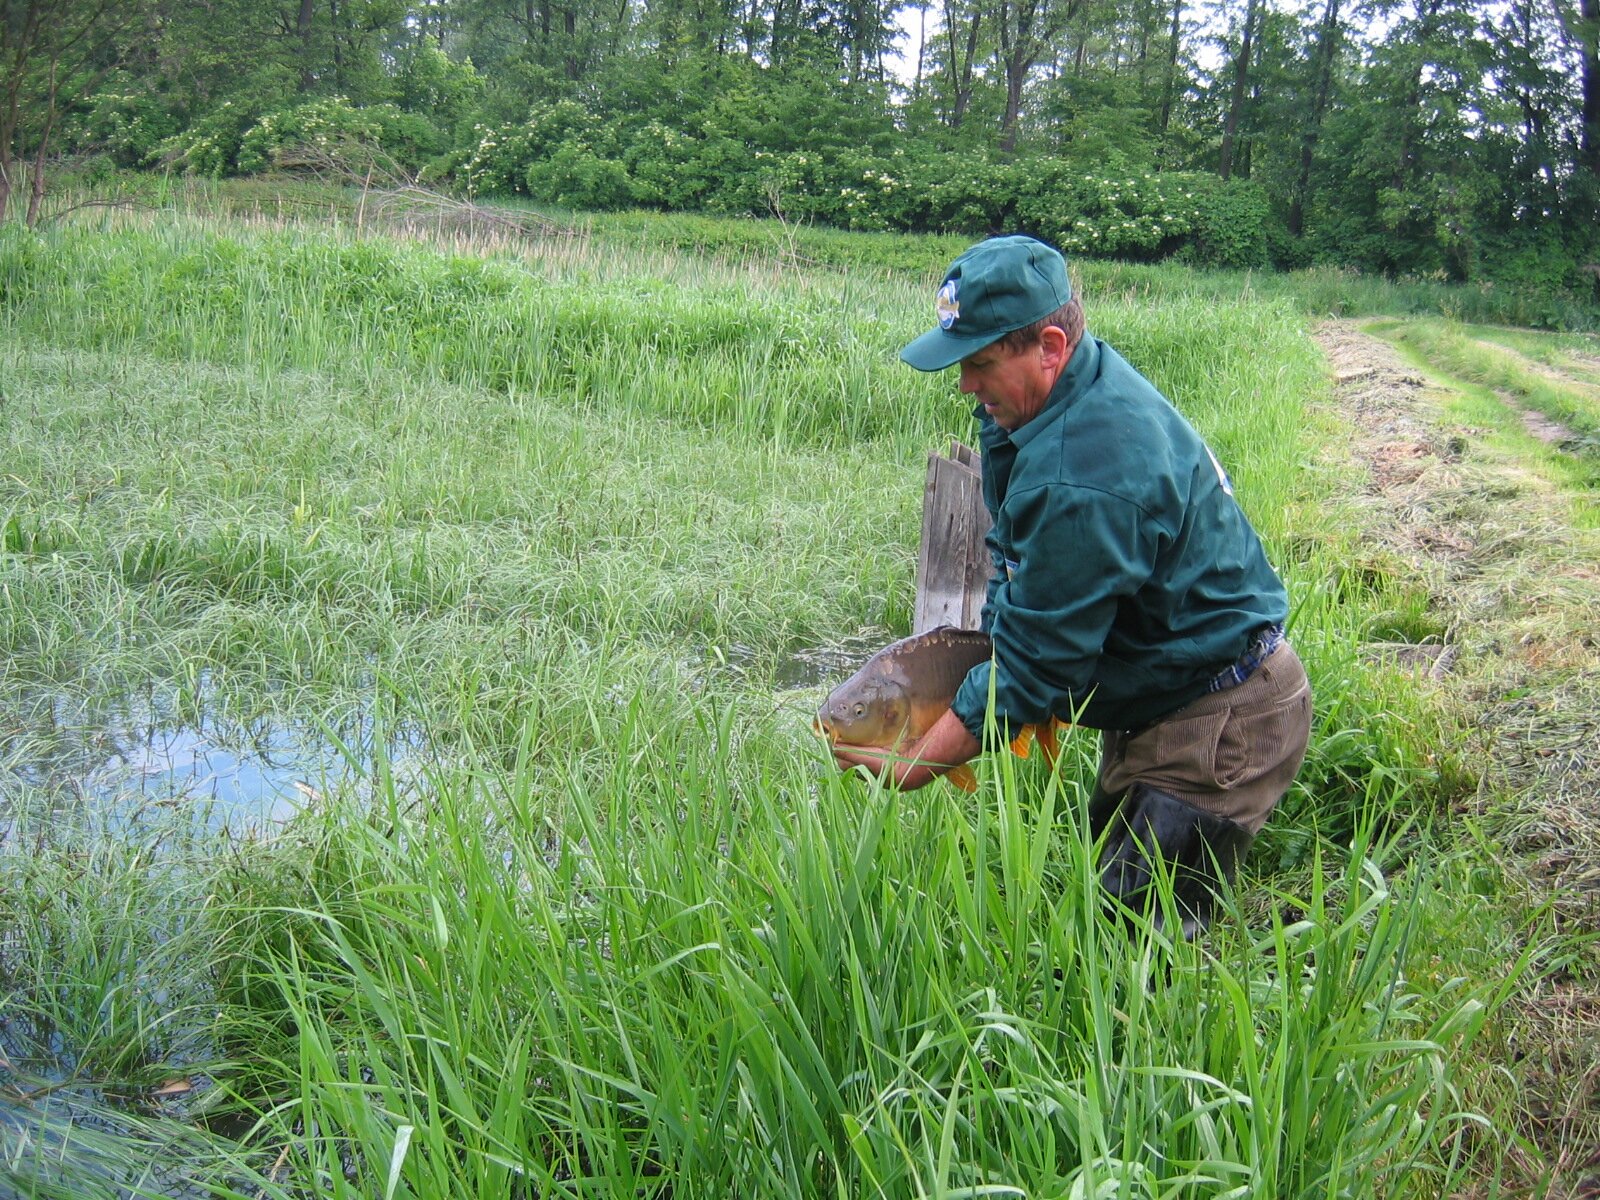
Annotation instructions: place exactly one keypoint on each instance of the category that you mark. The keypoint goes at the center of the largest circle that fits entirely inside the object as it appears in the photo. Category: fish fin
(1049, 735)
(1020, 743)
(963, 778)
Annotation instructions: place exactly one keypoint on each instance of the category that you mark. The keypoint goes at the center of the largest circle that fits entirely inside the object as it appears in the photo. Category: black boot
(1103, 806)
(1202, 851)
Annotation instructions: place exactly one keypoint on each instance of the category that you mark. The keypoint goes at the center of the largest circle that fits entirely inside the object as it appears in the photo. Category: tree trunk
(1012, 120)
(1169, 90)
(338, 47)
(10, 115)
(1589, 117)
(1327, 45)
(36, 184)
(1026, 29)
(16, 39)
(1147, 33)
(1236, 102)
(302, 30)
(960, 64)
(922, 51)
(1411, 103)
(1535, 113)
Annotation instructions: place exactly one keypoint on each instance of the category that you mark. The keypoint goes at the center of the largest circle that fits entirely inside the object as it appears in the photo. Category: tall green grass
(703, 976)
(446, 441)
(571, 516)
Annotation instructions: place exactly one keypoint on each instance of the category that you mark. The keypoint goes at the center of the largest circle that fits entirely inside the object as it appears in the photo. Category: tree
(54, 52)
(1329, 34)
(1025, 31)
(1240, 90)
(957, 56)
(1580, 20)
(1169, 83)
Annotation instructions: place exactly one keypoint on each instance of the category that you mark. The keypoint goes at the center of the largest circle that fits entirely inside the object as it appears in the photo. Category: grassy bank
(572, 519)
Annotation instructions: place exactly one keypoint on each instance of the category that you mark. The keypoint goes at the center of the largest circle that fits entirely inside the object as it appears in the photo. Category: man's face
(1011, 386)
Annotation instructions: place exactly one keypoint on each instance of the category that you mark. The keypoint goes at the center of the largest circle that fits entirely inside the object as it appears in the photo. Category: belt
(1261, 645)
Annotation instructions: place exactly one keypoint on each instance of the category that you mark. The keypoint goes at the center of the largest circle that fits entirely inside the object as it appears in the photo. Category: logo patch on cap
(947, 306)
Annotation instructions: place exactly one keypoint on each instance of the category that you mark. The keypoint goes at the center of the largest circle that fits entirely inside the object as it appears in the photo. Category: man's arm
(944, 747)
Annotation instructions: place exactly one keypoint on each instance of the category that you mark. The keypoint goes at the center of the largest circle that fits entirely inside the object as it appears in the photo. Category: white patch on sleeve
(1222, 476)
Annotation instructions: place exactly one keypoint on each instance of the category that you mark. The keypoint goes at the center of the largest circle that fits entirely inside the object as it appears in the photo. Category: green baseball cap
(997, 286)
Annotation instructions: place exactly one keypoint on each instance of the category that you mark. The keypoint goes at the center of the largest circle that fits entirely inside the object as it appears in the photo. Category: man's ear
(1053, 348)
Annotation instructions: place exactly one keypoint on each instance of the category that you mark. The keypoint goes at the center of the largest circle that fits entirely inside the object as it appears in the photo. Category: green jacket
(1126, 575)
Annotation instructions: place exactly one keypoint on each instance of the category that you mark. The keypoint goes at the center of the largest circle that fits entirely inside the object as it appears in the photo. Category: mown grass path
(1480, 509)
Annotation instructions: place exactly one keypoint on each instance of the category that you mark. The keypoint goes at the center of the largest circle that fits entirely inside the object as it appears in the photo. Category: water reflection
(131, 760)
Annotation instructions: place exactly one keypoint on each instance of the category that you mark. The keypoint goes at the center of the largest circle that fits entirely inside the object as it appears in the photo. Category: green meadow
(527, 565)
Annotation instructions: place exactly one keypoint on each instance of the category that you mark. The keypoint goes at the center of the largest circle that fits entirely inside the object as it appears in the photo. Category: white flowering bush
(211, 145)
(494, 160)
(327, 123)
(129, 126)
(567, 155)
(534, 157)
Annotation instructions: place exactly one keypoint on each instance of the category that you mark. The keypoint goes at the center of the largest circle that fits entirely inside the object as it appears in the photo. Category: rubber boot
(1103, 806)
(1202, 851)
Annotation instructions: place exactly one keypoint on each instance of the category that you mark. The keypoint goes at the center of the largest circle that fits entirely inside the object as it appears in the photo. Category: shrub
(129, 127)
(335, 125)
(576, 175)
(1231, 225)
(1141, 215)
(211, 145)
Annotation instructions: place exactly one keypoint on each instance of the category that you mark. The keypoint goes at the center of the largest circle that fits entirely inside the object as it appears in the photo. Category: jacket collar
(1081, 370)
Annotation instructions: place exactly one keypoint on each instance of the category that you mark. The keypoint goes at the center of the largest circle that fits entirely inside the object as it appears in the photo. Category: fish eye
(861, 709)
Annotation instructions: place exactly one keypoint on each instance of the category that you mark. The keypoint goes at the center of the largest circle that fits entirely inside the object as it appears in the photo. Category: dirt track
(1516, 588)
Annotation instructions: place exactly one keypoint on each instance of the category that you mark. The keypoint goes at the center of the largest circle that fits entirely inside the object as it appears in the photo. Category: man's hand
(944, 747)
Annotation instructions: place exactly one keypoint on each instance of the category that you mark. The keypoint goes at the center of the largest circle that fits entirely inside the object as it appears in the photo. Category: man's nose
(967, 382)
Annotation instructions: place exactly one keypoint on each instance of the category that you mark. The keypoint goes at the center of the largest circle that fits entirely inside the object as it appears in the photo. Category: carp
(902, 690)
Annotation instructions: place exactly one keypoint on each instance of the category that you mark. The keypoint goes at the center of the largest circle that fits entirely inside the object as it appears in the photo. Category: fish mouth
(824, 729)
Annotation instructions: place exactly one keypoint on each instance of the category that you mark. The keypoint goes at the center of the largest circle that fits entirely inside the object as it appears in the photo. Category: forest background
(1449, 139)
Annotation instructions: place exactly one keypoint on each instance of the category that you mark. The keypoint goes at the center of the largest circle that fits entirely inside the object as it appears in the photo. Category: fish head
(871, 711)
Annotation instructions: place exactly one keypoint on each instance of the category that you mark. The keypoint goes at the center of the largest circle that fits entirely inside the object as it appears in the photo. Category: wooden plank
(965, 455)
(953, 563)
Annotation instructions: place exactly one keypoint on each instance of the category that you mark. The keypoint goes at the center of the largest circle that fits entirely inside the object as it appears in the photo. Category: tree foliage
(1454, 138)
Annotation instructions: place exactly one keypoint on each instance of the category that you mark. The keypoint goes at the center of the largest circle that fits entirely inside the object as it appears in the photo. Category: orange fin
(1020, 743)
(1048, 745)
(963, 778)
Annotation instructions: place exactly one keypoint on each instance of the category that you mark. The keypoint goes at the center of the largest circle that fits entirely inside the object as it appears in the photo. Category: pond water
(119, 765)
(142, 770)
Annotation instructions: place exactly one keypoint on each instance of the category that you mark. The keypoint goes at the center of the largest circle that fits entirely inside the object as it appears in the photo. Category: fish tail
(963, 778)
(1049, 732)
(1024, 739)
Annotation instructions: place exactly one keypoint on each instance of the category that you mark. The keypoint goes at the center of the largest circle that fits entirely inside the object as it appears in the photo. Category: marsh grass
(621, 930)
(681, 979)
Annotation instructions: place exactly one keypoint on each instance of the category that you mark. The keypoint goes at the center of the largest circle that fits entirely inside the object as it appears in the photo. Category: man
(1129, 592)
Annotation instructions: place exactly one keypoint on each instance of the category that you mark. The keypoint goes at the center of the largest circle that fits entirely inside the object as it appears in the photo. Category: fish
(901, 691)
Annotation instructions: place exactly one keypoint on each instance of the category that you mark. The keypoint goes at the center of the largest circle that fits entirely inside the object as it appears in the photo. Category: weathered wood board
(953, 563)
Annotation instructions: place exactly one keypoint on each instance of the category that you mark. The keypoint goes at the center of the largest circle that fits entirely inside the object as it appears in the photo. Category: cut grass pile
(624, 932)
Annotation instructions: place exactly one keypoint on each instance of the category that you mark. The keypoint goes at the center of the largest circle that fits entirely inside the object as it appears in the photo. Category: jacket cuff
(971, 704)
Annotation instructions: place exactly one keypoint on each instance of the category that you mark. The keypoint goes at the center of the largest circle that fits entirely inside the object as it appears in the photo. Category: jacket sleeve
(997, 576)
(1079, 553)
